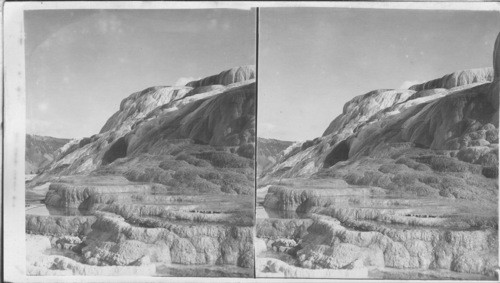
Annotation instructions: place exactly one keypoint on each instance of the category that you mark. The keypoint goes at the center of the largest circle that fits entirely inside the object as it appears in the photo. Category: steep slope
(156, 108)
(459, 78)
(268, 151)
(402, 184)
(437, 119)
(168, 182)
(40, 151)
(234, 75)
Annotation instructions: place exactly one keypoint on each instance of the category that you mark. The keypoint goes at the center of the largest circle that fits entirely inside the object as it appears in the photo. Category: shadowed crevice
(117, 150)
(339, 153)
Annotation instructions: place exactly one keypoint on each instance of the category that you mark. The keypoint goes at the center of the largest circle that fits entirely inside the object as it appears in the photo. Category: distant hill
(40, 151)
(268, 151)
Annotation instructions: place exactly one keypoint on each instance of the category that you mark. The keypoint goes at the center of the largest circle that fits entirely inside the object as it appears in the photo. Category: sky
(313, 60)
(80, 64)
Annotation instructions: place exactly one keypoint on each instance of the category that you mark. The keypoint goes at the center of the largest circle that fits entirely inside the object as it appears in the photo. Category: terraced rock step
(118, 223)
(350, 231)
(107, 239)
(42, 260)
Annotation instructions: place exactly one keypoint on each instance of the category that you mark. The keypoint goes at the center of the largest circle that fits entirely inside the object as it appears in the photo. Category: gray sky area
(81, 63)
(312, 61)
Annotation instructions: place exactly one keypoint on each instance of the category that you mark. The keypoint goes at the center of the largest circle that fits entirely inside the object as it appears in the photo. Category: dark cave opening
(338, 153)
(117, 150)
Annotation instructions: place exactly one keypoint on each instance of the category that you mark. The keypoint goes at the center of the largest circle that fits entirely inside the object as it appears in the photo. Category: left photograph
(140, 142)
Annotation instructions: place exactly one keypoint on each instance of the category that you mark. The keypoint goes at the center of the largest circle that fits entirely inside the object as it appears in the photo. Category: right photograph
(377, 150)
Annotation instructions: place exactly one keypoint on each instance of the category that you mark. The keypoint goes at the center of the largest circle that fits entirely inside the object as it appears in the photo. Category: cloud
(407, 84)
(183, 81)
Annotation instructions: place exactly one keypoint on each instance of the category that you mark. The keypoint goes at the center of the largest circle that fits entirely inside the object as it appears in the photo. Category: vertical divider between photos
(2, 164)
(257, 11)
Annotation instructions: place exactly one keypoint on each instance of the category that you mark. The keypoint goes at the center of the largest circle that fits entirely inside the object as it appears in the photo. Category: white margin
(15, 118)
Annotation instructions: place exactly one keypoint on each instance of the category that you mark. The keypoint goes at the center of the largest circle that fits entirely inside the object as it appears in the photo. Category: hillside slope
(40, 151)
(268, 151)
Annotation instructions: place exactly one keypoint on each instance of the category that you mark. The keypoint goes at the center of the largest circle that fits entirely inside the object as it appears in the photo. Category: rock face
(403, 183)
(455, 79)
(168, 180)
(234, 75)
(222, 116)
(456, 112)
(40, 151)
(268, 151)
(138, 104)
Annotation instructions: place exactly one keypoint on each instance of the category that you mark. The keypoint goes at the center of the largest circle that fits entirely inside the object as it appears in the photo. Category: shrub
(211, 176)
(224, 159)
(422, 167)
(422, 190)
(471, 154)
(490, 172)
(149, 174)
(455, 187)
(488, 126)
(192, 160)
(492, 135)
(477, 135)
(488, 159)
(246, 150)
(391, 168)
(236, 188)
(233, 140)
(405, 178)
(235, 183)
(186, 157)
(173, 164)
(408, 162)
(205, 186)
(448, 164)
(374, 178)
(453, 144)
(429, 179)
(185, 176)
(353, 178)
(202, 163)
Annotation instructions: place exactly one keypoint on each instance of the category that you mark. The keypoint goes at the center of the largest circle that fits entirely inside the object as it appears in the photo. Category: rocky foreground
(402, 185)
(165, 189)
